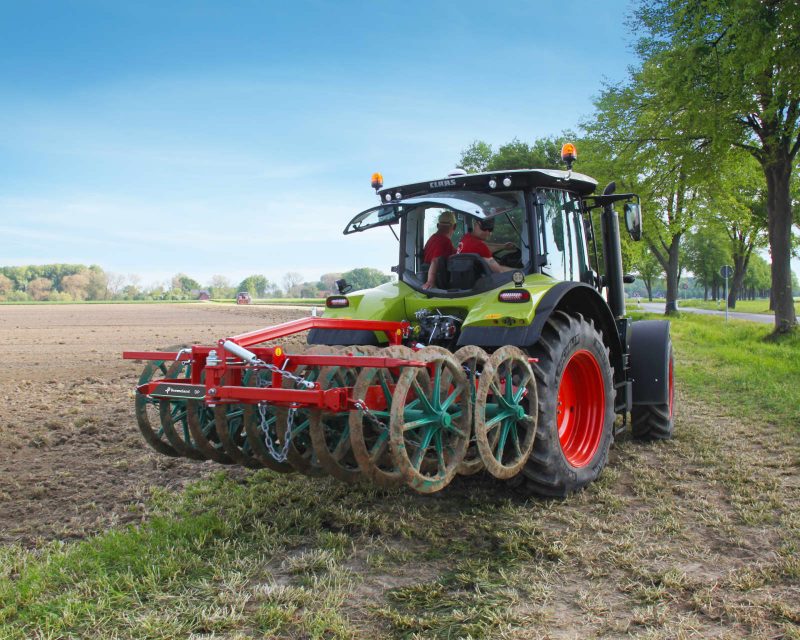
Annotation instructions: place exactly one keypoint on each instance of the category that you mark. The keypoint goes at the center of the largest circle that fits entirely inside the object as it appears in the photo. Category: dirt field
(695, 537)
(73, 461)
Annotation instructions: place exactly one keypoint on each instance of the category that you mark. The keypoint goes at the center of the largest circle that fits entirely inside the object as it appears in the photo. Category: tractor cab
(534, 218)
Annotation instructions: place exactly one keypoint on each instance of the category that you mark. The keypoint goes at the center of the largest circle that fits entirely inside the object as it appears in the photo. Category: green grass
(744, 306)
(284, 556)
(276, 301)
(732, 364)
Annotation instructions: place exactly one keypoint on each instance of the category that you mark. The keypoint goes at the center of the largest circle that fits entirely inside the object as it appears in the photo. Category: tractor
(510, 356)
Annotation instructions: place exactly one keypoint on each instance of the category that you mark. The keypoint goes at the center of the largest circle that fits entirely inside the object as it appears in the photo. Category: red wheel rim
(581, 410)
(671, 389)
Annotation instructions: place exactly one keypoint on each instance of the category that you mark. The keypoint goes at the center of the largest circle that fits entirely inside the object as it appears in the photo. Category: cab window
(561, 235)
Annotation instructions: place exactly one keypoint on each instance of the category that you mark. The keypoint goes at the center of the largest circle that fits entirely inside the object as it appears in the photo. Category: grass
(732, 365)
(743, 306)
(271, 301)
(696, 536)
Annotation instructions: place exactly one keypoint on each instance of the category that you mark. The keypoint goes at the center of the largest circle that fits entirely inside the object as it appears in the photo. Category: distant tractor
(243, 297)
(508, 362)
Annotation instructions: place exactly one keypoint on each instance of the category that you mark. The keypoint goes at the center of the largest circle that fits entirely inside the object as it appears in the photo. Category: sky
(239, 137)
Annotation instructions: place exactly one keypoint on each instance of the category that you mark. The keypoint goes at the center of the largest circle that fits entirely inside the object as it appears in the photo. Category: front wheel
(576, 407)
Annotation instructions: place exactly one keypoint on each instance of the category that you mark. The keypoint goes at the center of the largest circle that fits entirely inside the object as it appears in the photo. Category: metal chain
(279, 456)
(282, 455)
(360, 404)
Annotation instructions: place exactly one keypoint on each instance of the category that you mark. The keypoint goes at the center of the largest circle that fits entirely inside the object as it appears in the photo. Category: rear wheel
(656, 421)
(576, 407)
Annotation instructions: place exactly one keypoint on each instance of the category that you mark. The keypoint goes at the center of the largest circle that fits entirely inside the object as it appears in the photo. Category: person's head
(446, 222)
(483, 228)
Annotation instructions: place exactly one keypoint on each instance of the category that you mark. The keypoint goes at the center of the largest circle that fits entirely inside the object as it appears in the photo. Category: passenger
(476, 242)
(439, 247)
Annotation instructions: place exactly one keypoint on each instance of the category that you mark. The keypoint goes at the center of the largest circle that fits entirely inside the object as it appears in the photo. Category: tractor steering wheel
(508, 256)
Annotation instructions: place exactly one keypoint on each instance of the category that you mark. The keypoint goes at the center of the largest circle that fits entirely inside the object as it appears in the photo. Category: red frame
(336, 399)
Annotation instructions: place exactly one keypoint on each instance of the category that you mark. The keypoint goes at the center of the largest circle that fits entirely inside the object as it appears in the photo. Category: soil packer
(515, 365)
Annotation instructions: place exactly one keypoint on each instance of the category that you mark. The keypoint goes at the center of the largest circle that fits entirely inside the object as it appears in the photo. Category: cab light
(569, 154)
(514, 295)
(336, 302)
(377, 181)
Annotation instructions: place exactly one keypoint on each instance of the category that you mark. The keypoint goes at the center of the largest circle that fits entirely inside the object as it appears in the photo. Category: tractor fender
(649, 361)
(570, 297)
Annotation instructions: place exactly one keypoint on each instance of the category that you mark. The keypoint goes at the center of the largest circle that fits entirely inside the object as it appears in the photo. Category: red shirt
(473, 244)
(437, 246)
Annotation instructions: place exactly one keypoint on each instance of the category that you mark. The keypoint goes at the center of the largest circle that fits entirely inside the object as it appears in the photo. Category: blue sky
(236, 138)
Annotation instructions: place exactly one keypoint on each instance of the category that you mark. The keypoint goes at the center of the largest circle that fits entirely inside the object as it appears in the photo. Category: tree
(255, 285)
(365, 278)
(669, 172)
(6, 285)
(39, 288)
(757, 279)
(741, 200)
(98, 284)
(707, 249)
(220, 287)
(116, 281)
(184, 283)
(291, 283)
(543, 153)
(475, 158)
(76, 285)
(649, 270)
(732, 69)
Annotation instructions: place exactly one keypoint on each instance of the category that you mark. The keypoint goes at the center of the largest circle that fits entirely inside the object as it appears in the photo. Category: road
(658, 307)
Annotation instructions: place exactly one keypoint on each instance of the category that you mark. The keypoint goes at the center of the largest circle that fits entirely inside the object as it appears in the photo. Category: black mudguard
(570, 297)
(649, 361)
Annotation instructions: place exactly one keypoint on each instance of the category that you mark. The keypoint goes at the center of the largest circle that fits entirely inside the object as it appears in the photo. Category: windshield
(472, 203)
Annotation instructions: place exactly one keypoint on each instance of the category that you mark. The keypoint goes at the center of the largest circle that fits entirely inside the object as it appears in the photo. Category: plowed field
(72, 461)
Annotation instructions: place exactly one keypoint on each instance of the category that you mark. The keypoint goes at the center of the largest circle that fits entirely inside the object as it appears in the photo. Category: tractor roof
(520, 178)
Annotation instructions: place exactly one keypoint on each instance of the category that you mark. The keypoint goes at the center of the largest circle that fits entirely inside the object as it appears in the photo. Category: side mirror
(633, 220)
(343, 287)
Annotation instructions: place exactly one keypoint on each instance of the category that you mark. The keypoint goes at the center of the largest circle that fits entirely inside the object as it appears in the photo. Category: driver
(439, 246)
(476, 241)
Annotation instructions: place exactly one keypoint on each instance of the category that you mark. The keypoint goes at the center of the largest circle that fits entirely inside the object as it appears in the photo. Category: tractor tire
(656, 421)
(575, 424)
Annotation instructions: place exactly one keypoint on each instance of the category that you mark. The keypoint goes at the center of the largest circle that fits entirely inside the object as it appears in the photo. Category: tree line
(77, 282)
(706, 129)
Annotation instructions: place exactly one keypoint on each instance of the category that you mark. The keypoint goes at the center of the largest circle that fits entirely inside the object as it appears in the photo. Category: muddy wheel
(147, 409)
(472, 360)
(505, 413)
(301, 453)
(364, 349)
(576, 407)
(430, 422)
(656, 421)
(229, 422)
(369, 434)
(330, 432)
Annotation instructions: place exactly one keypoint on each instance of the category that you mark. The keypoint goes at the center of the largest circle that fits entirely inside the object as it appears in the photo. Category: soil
(73, 462)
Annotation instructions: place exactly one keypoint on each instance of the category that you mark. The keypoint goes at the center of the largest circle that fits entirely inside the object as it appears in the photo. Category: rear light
(514, 295)
(336, 302)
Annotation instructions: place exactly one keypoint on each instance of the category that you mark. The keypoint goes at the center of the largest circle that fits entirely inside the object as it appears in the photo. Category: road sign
(726, 271)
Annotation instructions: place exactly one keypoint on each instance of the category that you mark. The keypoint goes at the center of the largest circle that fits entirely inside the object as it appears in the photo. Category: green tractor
(535, 299)
(499, 349)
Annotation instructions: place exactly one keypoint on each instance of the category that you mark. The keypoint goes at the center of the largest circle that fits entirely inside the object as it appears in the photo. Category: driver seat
(465, 270)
